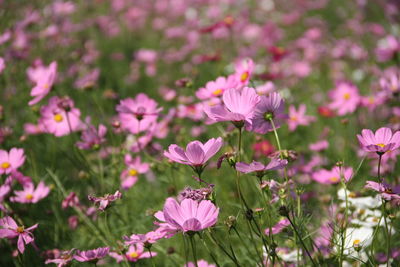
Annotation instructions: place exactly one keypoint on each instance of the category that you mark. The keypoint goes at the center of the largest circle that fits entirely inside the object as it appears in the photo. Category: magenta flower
(60, 117)
(30, 194)
(137, 115)
(164, 228)
(270, 107)
(332, 176)
(277, 228)
(11, 161)
(391, 83)
(136, 252)
(260, 169)
(345, 98)
(71, 200)
(105, 200)
(91, 255)
(10, 229)
(190, 215)
(298, 117)
(238, 107)
(135, 167)
(44, 78)
(196, 154)
(381, 142)
(92, 138)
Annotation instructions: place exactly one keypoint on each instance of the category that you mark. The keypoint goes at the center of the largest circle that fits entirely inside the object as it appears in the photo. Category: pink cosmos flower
(214, 88)
(319, 146)
(277, 228)
(71, 200)
(5, 189)
(60, 117)
(164, 228)
(345, 98)
(92, 137)
(136, 252)
(270, 107)
(44, 78)
(105, 200)
(259, 168)
(243, 71)
(387, 48)
(91, 255)
(200, 263)
(137, 115)
(298, 117)
(332, 176)
(196, 154)
(146, 239)
(387, 192)
(391, 83)
(190, 215)
(11, 161)
(238, 107)
(134, 167)
(30, 194)
(381, 142)
(2, 65)
(62, 259)
(10, 229)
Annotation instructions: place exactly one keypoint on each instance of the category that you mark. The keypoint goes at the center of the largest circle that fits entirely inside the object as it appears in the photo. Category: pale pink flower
(60, 117)
(2, 64)
(136, 252)
(137, 115)
(10, 229)
(345, 98)
(196, 154)
(298, 117)
(200, 263)
(277, 228)
(11, 161)
(190, 215)
(92, 138)
(134, 167)
(91, 255)
(146, 239)
(332, 176)
(105, 200)
(214, 88)
(238, 107)
(381, 142)
(44, 78)
(63, 259)
(319, 146)
(30, 194)
(243, 71)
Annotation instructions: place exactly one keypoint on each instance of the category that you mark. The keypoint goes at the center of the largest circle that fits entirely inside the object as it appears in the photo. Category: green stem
(301, 240)
(384, 212)
(192, 244)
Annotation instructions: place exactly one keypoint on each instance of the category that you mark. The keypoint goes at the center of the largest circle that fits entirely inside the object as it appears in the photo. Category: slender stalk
(384, 212)
(192, 244)
(301, 240)
(151, 256)
(343, 229)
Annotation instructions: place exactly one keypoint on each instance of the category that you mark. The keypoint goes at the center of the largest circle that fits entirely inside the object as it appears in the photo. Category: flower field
(199, 133)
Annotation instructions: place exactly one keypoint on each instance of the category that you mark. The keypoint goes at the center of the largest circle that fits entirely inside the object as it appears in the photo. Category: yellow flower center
(133, 254)
(5, 165)
(244, 76)
(58, 117)
(228, 20)
(46, 86)
(334, 179)
(133, 172)
(29, 196)
(381, 145)
(217, 92)
(352, 195)
(356, 242)
(346, 96)
(294, 118)
(20, 229)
